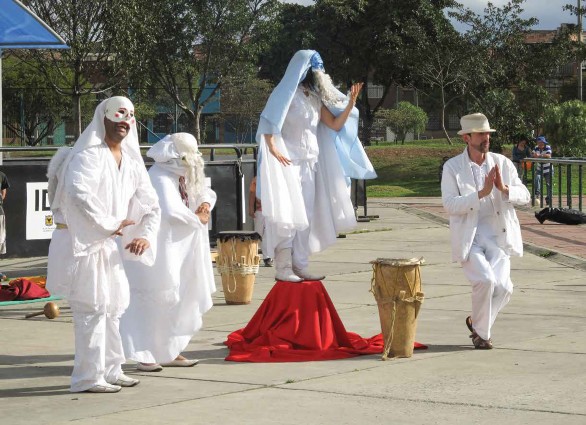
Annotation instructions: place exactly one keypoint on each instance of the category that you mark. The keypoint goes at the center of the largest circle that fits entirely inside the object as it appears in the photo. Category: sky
(549, 12)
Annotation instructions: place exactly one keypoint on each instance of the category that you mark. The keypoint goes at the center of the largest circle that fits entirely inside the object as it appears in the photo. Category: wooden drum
(396, 285)
(237, 263)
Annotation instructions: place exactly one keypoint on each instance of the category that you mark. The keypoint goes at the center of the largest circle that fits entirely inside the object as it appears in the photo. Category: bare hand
(355, 91)
(204, 217)
(138, 246)
(277, 154)
(488, 183)
(204, 207)
(124, 223)
(498, 181)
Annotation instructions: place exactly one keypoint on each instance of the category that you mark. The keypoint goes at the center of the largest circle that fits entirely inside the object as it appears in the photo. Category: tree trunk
(367, 122)
(195, 116)
(77, 115)
(443, 118)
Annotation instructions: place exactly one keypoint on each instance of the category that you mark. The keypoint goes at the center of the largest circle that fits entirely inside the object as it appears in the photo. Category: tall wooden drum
(396, 285)
(237, 263)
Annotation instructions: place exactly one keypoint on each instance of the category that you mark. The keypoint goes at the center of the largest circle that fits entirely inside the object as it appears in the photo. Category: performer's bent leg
(503, 288)
(90, 347)
(478, 271)
(487, 269)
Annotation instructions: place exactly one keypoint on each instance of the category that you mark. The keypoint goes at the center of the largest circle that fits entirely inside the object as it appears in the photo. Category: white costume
(169, 297)
(306, 204)
(90, 197)
(484, 232)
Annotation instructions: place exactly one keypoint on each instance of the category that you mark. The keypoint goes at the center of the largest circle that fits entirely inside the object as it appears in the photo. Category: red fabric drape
(22, 289)
(298, 322)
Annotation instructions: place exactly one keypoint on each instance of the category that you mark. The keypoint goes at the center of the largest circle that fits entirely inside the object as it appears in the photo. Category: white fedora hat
(474, 123)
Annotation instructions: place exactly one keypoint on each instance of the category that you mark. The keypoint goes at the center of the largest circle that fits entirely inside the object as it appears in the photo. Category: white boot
(282, 263)
(305, 274)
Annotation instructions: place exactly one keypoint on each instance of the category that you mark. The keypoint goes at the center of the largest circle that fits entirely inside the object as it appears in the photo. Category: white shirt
(487, 223)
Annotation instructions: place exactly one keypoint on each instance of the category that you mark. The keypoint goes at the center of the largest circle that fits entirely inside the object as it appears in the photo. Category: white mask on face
(120, 109)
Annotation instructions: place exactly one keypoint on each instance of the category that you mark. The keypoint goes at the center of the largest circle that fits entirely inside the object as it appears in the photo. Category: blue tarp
(22, 29)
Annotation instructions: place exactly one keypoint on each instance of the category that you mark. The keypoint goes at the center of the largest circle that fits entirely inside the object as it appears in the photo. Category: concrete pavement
(536, 373)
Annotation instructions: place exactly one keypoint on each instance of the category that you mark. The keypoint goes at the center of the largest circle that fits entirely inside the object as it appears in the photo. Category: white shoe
(181, 363)
(104, 388)
(283, 265)
(125, 381)
(306, 275)
(155, 367)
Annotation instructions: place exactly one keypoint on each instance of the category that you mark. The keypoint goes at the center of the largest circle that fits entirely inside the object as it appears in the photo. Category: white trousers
(299, 240)
(98, 349)
(488, 269)
(98, 297)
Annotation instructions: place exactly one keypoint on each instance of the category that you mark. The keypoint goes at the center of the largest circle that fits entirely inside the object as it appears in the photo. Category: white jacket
(460, 200)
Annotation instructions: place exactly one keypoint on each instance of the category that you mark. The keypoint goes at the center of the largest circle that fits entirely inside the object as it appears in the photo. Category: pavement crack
(437, 402)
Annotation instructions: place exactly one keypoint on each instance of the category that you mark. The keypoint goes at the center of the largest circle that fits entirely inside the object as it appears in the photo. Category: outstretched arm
(336, 123)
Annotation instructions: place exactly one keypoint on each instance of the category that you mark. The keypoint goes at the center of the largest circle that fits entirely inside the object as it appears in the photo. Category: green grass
(411, 169)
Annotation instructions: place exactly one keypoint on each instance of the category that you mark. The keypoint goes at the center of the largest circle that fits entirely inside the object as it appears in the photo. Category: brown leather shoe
(481, 344)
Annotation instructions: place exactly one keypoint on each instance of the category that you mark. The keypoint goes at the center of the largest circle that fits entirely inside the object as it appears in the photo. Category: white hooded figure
(309, 149)
(169, 298)
(105, 209)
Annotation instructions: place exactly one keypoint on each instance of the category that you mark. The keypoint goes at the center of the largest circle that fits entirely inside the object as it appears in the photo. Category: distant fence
(567, 188)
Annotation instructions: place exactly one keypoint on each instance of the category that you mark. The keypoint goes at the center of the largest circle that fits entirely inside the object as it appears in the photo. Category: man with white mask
(100, 192)
(168, 298)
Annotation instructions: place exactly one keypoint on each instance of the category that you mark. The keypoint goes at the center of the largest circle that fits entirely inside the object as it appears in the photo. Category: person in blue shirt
(543, 150)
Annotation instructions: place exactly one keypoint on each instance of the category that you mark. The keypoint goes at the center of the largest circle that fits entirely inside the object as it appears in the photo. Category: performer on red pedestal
(309, 145)
(309, 149)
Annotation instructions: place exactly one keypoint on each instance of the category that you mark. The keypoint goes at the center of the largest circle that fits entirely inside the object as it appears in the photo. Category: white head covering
(350, 151)
(93, 135)
(179, 154)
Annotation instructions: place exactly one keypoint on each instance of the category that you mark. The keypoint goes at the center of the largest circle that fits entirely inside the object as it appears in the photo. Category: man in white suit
(479, 191)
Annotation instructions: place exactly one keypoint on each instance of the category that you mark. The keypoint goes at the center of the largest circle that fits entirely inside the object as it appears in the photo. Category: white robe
(85, 262)
(97, 197)
(281, 194)
(169, 298)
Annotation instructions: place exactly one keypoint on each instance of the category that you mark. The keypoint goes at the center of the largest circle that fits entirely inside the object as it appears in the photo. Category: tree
(203, 43)
(295, 29)
(31, 108)
(372, 41)
(444, 69)
(91, 65)
(243, 99)
(504, 115)
(565, 126)
(405, 118)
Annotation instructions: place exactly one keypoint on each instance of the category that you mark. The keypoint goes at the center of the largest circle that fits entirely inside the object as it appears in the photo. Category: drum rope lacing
(233, 267)
(400, 298)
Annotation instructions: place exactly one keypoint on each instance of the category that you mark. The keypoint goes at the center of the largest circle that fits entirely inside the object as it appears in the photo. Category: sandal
(469, 323)
(481, 344)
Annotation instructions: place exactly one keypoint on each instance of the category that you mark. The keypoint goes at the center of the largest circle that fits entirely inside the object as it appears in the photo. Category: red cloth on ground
(22, 289)
(298, 322)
